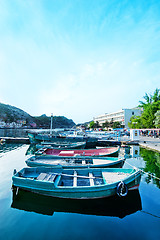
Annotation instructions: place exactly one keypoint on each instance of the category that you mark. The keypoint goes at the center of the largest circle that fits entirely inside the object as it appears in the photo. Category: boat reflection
(9, 147)
(111, 206)
(31, 149)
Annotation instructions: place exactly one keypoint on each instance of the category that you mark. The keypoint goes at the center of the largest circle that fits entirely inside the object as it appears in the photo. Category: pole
(51, 124)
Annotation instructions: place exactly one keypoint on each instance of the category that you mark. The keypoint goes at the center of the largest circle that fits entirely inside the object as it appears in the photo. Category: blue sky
(78, 58)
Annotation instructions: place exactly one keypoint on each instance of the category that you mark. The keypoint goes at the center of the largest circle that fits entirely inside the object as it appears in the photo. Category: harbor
(127, 204)
(63, 217)
(79, 120)
(144, 141)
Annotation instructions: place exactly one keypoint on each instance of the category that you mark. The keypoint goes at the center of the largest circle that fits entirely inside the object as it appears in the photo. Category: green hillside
(10, 114)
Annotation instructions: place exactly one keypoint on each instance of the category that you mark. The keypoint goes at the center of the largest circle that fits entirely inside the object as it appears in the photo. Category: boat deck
(76, 180)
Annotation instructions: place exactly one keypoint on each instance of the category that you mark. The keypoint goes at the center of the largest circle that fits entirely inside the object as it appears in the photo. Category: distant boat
(62, 145)
(110, 206)
(77, 184)
(100, 152)
(36, 137)
(75, 162)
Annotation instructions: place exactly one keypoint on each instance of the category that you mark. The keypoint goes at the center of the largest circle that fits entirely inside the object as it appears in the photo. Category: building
(123, 116)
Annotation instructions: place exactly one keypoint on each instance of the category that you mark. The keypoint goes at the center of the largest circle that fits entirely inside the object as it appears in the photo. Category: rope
(150, 214)
(144, 171)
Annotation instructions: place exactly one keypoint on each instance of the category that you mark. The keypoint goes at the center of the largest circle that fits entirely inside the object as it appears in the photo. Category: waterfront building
(123, 116)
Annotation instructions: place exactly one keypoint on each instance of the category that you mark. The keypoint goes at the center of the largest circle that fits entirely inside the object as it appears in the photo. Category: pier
(15, 140)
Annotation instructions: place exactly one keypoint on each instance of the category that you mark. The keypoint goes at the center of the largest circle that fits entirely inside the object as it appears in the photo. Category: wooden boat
(39, 137)
(112, 206)
(75, 162)
(101, 152)
(79, 183)
(61, 145)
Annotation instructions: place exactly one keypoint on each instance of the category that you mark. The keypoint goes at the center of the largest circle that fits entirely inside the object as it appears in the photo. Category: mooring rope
(153, 215)
(143, 171)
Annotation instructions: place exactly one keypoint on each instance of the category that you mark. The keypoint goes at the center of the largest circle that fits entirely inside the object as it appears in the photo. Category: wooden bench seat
(41, 176)
(91, 179)
(47, 177)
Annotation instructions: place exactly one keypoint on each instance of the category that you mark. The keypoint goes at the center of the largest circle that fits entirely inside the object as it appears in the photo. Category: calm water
(29, 216)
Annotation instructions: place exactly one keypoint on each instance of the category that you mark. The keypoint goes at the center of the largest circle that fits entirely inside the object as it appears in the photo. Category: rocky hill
(10, 114)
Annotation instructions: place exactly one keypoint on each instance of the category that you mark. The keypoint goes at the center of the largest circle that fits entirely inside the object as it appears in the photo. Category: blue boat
(75, 162)
(61, 145)
(35, 137)
(86, 183)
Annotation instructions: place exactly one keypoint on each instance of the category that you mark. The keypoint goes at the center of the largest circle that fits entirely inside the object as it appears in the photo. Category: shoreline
(145, 142)
(150, 143)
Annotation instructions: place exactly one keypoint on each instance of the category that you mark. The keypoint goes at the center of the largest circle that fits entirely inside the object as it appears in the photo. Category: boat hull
(38, 138)
(66, 163)
(87, 192)
(101, 152)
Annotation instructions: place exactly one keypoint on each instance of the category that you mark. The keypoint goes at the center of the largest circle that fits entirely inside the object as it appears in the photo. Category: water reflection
(13, 132)
(112, 206)
(8, 147)
(152, 165)
(135, 151)
(132, 151)
(31, 149)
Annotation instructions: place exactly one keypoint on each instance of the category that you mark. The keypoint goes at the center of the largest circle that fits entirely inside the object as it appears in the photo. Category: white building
(123, 116)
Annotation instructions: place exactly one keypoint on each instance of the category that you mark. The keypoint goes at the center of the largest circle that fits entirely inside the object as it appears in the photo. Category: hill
(9, 114)
(12, 114)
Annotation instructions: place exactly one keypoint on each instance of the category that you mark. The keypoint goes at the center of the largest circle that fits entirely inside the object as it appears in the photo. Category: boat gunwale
(126, 180)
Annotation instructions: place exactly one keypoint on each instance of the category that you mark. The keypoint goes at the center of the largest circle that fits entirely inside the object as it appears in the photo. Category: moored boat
(36, 137)
(75, 162)
(79, 183)
(100, 152)
(61, 145)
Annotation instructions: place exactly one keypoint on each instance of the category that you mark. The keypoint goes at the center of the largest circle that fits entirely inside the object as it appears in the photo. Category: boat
(75, 162)
(62, 145)
(36, 137)
(100, 152)
(88, 183)
(111, 206)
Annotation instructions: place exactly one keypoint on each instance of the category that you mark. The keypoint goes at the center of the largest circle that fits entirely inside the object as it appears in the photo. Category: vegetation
(10, 114)
(152, 165)
(105, 125)
(94, 124)
(117, 125)
(157, 119)
(150, 117)
(58, 122)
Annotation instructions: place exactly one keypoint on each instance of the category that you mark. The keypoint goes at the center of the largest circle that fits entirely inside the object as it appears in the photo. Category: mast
(51, 128)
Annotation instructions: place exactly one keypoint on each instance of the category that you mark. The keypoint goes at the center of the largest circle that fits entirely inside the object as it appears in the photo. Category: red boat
(100, 152)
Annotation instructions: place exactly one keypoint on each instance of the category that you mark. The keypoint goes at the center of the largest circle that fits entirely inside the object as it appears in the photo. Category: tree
(135, 122)
(106, 124)
(92, 124)
(157, 119)
(150, 107)
(117, 125)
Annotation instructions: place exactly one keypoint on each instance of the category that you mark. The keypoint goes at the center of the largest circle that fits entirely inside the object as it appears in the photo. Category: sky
(78, 58)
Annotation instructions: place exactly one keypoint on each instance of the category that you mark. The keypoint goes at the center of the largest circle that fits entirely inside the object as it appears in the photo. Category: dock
(150, 143)
(15, 140)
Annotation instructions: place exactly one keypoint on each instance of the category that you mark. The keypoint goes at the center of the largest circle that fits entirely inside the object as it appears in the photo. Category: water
(39, 217)
(13, 132)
